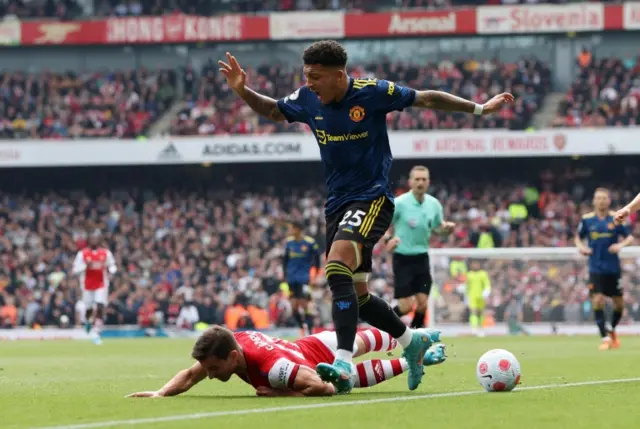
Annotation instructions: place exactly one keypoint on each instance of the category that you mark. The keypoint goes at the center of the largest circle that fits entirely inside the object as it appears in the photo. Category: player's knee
(421, 301)
(361, 283)
(346, 252)
(405, 304)
(421, 307)
(618, 303)
(340, 279)
(598, 301)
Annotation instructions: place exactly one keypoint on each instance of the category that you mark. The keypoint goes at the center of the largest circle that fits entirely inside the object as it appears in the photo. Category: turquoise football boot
(435, 355)
(434, 334)
(414, 354)
(340, 374)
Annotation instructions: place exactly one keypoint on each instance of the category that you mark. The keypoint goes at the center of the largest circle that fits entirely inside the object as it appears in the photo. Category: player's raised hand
(235, 75)
(150, 394)
(496, 103)
(621, 215)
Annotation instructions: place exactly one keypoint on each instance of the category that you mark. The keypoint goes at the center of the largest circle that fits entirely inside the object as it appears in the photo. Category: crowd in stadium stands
(58, 9)
(74, 9)
(605, 92)
(55, 106)
(214, 257)
(212, 108)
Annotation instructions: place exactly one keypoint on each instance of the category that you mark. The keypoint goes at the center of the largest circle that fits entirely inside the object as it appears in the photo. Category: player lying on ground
(276, 367)
(348, 119)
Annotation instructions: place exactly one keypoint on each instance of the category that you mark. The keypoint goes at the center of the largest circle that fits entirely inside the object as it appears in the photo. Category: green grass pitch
(81, 386)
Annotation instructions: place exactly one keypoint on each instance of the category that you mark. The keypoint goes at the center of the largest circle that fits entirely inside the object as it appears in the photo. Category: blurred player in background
(417, 214)
(301, 254)
(514, 316)
(476, 294)
(93, 265)
(347, 117)
(603, 236)
(276, 367)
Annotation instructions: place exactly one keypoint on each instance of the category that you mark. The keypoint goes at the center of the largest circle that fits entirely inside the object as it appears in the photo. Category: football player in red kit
(276, 367)
(93, 265)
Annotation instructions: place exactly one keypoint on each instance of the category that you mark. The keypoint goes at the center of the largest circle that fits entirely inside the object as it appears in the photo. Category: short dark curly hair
(327, 53)
(215, 341)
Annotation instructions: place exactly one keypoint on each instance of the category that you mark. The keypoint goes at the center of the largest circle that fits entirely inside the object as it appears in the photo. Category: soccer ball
(498, 371)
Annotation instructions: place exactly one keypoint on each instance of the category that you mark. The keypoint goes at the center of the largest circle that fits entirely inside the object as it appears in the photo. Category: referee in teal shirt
(417, 214)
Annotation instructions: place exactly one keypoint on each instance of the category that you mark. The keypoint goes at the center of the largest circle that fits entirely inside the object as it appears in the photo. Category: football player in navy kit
(605, 237)
(347, 117)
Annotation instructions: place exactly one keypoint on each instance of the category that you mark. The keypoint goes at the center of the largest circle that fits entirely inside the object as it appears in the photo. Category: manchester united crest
(356, 113)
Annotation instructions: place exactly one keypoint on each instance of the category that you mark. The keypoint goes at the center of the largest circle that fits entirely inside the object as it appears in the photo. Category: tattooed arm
(261, 104)
(236, 77)
(439, 100)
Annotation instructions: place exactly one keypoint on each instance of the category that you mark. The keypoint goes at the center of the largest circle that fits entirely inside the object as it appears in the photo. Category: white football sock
(405, 339)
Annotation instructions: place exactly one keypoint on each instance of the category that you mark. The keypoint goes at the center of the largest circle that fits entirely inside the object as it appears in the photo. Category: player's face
(293, 230)
(419, 181)
(601, 201)
(94, 241)
(221, 369)
(324, 81)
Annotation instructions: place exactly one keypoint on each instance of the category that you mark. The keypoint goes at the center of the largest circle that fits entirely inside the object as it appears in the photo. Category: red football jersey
(272, 362)
(92, 266)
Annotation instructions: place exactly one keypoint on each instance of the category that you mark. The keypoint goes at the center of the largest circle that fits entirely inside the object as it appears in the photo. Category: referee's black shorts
(412, 275)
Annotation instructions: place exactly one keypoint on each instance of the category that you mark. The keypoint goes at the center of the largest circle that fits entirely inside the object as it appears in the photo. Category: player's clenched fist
(496, 103)
(621, 215)
(235, 75)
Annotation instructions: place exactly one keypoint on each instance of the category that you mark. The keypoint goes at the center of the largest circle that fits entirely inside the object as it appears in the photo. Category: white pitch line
(195, 416)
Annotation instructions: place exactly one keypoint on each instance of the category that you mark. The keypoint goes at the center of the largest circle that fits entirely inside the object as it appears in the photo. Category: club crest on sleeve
(356, 113)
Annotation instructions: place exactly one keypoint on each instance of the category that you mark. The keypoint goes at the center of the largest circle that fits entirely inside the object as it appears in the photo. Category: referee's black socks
(418, 320)
(344, 307)
(418, 317)
(397, 310)
(379, 314)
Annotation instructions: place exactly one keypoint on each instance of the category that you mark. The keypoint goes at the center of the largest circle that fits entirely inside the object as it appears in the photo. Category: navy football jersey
(352, 135)
(299, 257)
(601, 233)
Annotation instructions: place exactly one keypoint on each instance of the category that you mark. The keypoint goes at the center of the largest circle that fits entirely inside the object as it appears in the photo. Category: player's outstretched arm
(439, 100)
(180, 383)
(236, 78)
